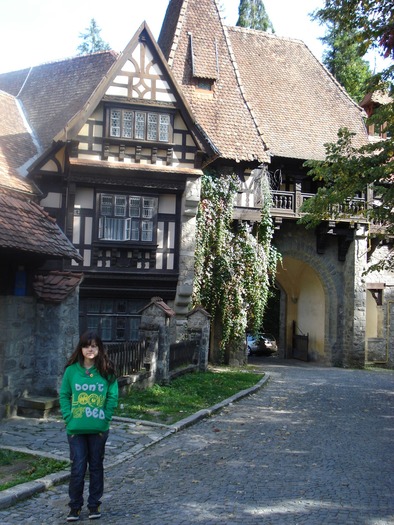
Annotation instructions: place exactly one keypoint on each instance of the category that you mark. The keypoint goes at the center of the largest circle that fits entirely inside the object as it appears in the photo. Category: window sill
(105, 243)
(134, 142)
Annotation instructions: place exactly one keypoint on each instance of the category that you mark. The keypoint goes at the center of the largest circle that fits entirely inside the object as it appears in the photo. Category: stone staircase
(37, 406)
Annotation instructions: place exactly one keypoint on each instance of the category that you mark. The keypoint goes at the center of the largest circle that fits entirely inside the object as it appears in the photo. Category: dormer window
(147, 126)
(205, 83)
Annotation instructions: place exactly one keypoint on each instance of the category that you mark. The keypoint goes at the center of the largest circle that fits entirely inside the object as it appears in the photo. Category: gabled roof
(143, 33)
(225, 116)
(51, 94)
(291, 99)
(58, 97)
(56, 286)
(161, 304)
(26, 227)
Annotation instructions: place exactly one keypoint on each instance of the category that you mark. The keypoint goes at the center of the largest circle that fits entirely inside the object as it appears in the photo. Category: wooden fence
(128, 357)
(183, 354)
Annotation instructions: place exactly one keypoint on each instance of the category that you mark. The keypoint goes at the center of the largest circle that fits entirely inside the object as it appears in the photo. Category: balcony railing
(288, 204)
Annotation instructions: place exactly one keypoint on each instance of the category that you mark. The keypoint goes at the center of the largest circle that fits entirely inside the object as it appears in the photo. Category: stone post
(199, 321)
(155, 325)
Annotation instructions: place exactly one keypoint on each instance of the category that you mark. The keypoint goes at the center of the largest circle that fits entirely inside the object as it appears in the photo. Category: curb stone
(20, 492)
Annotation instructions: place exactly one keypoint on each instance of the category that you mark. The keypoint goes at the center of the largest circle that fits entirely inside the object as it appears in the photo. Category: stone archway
(305, 306)
(297, 246)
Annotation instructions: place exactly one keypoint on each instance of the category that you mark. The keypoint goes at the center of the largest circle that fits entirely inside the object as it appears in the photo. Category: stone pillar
(199, 322)
(355, 301)
(155, 326)
(57, 334)
(184, 292)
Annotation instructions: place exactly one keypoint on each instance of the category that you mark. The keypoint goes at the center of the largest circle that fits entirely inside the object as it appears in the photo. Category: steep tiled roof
(224, 115)
(51, 94)
(55, 287)
(16, 146)
(270, 91)
(298, 104)
(26, 227)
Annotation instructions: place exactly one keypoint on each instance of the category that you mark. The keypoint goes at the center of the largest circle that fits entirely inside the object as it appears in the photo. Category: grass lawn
(17, 467)
(185, 395)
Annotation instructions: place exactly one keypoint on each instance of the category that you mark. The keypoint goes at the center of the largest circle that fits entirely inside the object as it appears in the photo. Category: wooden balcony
(287, 205)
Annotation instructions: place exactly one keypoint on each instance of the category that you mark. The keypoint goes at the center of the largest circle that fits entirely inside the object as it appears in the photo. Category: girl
(88, 397)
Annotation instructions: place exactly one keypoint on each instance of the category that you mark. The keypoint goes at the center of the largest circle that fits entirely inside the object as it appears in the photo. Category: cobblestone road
(314, 446)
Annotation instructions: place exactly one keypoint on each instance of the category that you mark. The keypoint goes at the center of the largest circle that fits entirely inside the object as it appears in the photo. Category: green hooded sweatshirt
(87, 400)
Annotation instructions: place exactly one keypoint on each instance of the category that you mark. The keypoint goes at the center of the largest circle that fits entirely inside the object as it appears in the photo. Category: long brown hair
(102, 362)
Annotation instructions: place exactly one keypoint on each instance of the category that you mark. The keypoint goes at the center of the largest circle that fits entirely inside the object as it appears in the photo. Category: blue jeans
(84, 449)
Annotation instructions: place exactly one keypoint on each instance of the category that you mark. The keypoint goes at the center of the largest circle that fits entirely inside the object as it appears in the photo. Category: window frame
(161, 120)
(122, 223)
(103, 315)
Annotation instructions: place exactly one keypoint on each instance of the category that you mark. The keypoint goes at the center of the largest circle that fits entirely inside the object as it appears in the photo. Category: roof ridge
(28, 69)
(177, 32)
(265, 33)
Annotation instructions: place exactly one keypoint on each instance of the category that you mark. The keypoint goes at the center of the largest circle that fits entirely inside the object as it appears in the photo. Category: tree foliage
(233, 268)
(91, 40)
(370, 22)
(252, 14)
(343, 61)
(347, 170)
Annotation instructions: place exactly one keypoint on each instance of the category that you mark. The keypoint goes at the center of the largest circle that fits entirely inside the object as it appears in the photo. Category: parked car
(263, 344)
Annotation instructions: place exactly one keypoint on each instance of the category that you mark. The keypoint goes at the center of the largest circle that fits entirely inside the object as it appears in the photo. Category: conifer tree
(91, 40)
(252, 14)
(342, 59)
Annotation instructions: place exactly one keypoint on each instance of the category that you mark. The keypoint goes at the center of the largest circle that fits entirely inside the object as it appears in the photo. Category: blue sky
(37, 31)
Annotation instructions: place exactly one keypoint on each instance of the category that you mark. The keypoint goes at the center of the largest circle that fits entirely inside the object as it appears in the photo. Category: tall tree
(348, 170)
(91, 40)
(342, 59)
(252, 14)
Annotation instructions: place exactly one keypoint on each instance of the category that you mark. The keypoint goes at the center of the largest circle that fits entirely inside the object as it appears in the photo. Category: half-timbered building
(122, 141)
(119, 169)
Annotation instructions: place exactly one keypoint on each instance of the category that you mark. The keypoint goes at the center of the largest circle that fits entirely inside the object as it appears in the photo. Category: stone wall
(17, 351)
(35, 340)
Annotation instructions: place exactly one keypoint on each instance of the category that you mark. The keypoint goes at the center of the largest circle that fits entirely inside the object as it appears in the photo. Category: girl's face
(89, 353)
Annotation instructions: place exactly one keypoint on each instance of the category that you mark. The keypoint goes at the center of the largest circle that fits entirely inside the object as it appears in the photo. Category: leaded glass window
(164, 129)
(140, 125)
(152, 126)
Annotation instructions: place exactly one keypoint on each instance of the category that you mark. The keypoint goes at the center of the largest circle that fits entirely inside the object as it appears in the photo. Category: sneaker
(73, 515)
(94, 513)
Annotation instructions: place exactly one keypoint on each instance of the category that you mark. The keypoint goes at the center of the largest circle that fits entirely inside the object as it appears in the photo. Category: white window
(113, 229)
(127, 218)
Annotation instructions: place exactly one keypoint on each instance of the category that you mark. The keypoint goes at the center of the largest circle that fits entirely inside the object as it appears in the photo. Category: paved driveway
(314, 446)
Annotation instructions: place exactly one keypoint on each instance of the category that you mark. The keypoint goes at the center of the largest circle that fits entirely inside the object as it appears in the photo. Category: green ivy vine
(234, 266)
